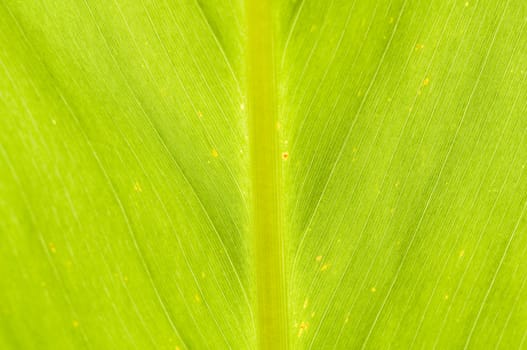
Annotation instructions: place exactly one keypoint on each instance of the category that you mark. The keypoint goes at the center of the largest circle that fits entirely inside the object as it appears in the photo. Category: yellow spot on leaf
(373, 289)
(137, 187)
(446, 296)
(319, 258)
(426, 81)
(214, 153)
(197, 298)
(419, 47)
(391, 20)
(306, 302)
(52, 247)
(324, 267)
(461, 253)
(200, 115)
(466, 4)
(75, 323)
(303, 328)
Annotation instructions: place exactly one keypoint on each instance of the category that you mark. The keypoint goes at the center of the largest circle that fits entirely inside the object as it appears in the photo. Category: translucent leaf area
(133, 173)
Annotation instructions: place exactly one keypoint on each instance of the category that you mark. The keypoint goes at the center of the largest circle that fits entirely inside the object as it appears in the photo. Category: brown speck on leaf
(285, 155)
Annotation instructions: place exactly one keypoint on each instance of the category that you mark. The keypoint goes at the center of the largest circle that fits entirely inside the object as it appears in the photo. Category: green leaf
(205, 174)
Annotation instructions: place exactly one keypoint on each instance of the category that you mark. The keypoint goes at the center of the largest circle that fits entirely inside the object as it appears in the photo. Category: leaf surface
(391, 167)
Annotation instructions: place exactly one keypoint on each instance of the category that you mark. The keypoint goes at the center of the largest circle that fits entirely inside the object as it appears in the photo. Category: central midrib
(265, 176)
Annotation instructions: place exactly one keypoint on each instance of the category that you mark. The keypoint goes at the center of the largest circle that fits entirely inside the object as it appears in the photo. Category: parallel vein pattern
(119, 141)
(242, 174)
(403, 121)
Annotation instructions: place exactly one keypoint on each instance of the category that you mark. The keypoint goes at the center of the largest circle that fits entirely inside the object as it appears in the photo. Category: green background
(125, 174)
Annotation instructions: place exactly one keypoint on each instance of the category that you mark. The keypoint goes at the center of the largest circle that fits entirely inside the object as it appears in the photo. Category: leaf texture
(127, 194)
